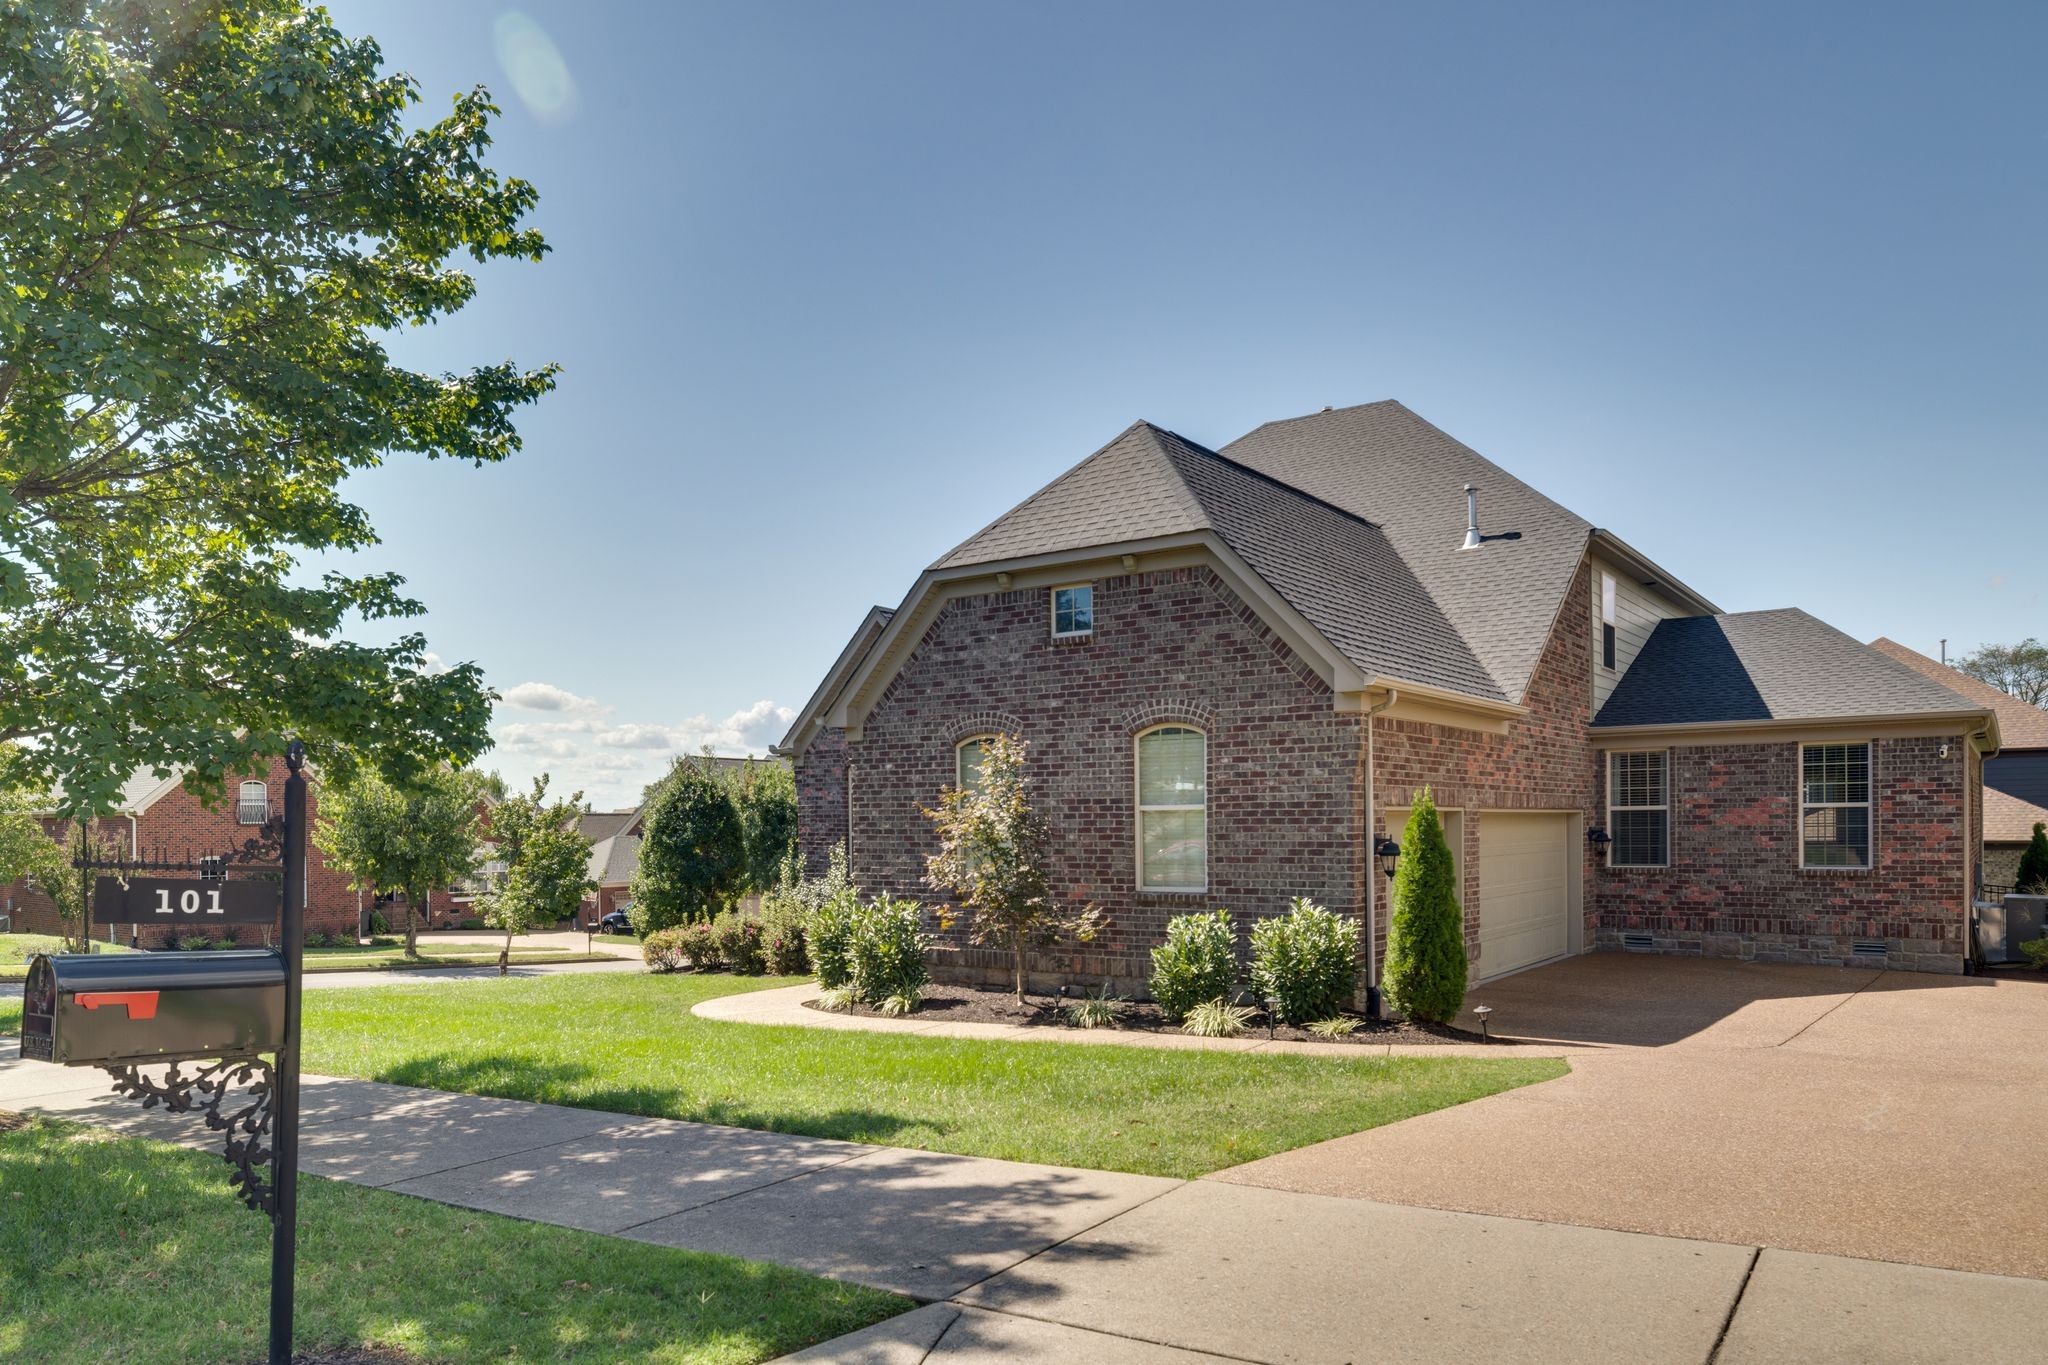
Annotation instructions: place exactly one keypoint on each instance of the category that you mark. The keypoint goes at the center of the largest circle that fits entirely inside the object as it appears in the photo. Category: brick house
(614, 854)
(2015, 778)
(157, 816)
(1235, 669)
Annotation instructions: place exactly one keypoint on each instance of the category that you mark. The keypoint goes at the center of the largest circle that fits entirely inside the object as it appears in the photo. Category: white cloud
(540, 696)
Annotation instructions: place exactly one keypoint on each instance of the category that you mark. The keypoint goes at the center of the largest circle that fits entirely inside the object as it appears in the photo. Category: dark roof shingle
(1765, 666)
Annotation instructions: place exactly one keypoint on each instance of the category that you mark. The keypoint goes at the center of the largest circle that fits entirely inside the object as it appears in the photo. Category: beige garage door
(1524, 889)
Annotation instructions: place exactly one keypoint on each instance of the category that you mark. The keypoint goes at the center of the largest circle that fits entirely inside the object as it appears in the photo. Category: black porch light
(1388, 852)
(1599, 838)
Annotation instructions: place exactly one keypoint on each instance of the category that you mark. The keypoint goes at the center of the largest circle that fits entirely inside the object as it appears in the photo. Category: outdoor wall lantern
(1599, 838)
(1388, 852)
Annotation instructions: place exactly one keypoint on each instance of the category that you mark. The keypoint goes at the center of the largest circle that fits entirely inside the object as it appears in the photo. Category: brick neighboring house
(1236, 668)
(2015, 778)
(614, 854)
(157, 814)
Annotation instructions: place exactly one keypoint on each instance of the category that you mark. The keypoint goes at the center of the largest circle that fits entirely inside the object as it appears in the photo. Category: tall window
(1073, 611)
(1639, 809)
(252, 804)
(1607, 619)
(967, 761)
(1834, 805)
(1173, 809)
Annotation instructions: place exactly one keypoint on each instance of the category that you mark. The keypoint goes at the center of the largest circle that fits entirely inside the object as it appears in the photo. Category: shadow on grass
(576, 1085)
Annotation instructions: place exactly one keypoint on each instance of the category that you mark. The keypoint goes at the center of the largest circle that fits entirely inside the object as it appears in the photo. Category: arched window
(967, 759)
(252, 804)
(1173, 809)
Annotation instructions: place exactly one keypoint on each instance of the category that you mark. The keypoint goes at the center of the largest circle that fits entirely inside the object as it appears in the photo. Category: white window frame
(1052, 602)
(960, 753)
(242, 802)
(1612, 842)
(1868, 805)
(1141, 810)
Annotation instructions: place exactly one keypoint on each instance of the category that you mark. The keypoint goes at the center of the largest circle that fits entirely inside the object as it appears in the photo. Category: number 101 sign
(165, 900)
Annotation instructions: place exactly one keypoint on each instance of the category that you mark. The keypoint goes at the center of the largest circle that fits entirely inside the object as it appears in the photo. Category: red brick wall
(1284, 766)
(1541, 763)
(821, 800)
(1735, 887)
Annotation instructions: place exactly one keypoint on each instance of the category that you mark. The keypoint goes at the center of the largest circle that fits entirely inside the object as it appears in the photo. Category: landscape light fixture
(1482, 1011)
(1388, 852)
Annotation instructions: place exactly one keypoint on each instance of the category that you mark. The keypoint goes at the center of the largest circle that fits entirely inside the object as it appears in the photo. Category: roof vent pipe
(1472, 536)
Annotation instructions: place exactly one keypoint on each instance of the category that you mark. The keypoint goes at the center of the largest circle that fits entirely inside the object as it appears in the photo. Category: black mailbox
(93, 1010)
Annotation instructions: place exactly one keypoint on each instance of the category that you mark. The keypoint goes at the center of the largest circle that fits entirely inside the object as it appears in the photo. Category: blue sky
(1758, 287)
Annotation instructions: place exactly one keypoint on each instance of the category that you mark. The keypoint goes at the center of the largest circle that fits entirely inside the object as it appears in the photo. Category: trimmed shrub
(2036, 951)
(782, 938)
(739, 942)
(194, 943)
(886, 955)
(702, 944)
(1425, 969)
(472, 924)
(1196, 964)
(379, 926)
(828, 937)
(316, 940)
(693, 855)
(1305, 962)
(662, 950)
(2032, 878)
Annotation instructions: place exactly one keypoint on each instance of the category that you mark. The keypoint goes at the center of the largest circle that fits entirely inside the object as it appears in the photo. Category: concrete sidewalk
(1026, 1263)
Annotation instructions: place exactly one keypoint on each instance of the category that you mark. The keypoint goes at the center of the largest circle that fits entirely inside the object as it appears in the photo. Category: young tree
(2032, 878)
(766, 796)
(1424, 977)
(547, 864)
(992, 855)
(416, 838)
(693, 850)
(211, 215)
(27, 852)
(2020, 669)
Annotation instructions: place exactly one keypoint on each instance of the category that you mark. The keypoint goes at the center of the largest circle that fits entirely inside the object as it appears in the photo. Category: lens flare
(535, 67)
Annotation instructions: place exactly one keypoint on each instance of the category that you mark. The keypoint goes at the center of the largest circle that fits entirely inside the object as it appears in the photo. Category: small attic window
(1073, 611)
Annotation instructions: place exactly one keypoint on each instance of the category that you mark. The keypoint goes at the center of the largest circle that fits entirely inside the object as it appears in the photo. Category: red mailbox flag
(141, 1004)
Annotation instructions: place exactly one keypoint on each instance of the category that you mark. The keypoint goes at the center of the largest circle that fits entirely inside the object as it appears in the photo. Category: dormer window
(1073, 611)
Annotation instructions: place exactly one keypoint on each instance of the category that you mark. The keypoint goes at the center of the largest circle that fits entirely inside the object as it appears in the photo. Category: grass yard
(17, 949)
(115, 1249)
(367, 958)
(628, 1043)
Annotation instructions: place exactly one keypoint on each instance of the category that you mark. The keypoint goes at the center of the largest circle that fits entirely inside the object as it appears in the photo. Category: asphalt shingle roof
(2009, 820)
(2020, 725)
(1334, 567)
(1765, 665)
(1382, 462)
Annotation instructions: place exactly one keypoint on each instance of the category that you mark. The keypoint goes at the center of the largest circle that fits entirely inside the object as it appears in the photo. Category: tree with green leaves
(993, 856)
(2020, 669)
(765, 792)
(2032, 878)
(1424, 976)
(415, 838)
(693, 850)
(27, 852)
(546, 864)
(211, 216)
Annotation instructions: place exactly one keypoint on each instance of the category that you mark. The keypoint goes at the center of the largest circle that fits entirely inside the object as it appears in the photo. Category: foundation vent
(1638, 943)
(1864, 947)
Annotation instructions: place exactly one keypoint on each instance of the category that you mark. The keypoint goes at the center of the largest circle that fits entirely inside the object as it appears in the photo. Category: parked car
(615, 923)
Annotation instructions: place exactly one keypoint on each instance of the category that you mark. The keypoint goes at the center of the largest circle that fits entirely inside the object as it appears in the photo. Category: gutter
(1372, 867)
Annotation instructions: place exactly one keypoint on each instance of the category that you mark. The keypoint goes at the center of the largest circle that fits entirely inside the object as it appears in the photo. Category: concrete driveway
(1887, 1115)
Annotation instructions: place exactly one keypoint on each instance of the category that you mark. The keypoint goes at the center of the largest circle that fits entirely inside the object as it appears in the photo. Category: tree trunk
(412, 926)
(505, 954)
(1017, 945)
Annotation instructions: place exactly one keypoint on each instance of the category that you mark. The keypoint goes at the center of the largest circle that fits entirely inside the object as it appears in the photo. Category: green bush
(316, 940)
(693, 854)
(1217, 1019)
(379, 926)
(886, 955)
(1096, 1011)
(472, 924)
(782, 938)
(739, 942)
(702, 944)
(194, 943)
(1425, 970)
(2036, 950)
(828, 936)
(2032, 877)
(1196, 964)
(1305, 962)
(662, 950)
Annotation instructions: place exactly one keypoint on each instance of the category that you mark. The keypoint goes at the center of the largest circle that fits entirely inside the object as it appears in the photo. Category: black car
(615, 923)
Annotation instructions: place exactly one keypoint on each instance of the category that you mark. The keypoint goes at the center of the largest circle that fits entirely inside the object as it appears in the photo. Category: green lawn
(17, 949)
(114, 1249)
(629, 1044)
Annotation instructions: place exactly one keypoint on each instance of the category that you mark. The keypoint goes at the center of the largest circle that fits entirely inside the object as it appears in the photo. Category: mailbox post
(225, 1009)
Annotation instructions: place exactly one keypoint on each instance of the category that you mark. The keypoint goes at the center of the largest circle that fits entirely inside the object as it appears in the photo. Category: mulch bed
(974, 1005)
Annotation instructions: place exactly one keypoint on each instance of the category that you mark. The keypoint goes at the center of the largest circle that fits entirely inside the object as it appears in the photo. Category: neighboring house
(157, 817)
(2015, 778)
(1235, 669)
(614, 854)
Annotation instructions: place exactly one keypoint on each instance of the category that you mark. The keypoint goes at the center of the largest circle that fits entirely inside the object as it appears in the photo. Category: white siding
(1637, 610)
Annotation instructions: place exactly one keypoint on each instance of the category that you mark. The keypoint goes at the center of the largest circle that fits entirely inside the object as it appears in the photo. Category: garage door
(1524, 889)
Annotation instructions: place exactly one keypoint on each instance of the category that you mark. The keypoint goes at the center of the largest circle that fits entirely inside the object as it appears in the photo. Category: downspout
(1372, 871)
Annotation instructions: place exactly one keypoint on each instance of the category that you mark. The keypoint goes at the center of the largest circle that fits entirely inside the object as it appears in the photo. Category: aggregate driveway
(1888, 1115)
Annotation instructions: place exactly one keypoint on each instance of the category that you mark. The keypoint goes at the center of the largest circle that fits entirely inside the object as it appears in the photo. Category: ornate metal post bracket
(247, 1128)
